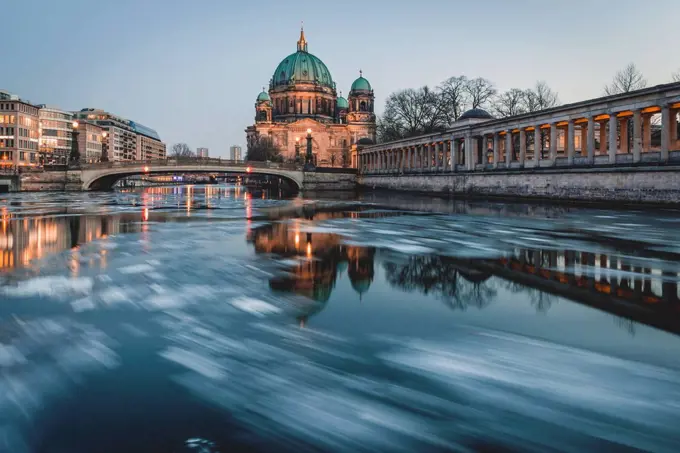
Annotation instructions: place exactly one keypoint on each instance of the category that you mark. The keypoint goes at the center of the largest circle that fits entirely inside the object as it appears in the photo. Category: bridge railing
(179, 162)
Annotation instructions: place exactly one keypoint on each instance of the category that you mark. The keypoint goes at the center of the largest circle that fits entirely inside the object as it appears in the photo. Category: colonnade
(592, 138)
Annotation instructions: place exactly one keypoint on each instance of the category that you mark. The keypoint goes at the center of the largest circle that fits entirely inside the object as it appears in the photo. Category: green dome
(361, 84)
(302, 67)
(342, 103)
(264, 96)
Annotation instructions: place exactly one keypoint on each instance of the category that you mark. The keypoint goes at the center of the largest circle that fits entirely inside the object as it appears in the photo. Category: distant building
(56, 135)
(202, 153)
(125, 139)
(19, 131)
(235, 153)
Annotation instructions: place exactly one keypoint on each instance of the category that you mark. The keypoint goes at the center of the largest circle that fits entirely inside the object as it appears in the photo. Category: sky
(192, 69)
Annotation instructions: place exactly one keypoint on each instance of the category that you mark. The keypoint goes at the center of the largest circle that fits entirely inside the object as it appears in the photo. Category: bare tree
(263, 149)
(676, 76)
(333, 155)
(480, 91)
(628, 79)
(510, 103)
(181, 150)
(410, 112)
(454, 94)
(540, 97)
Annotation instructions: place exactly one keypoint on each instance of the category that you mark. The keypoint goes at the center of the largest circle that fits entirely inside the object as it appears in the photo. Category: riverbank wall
(630, 185)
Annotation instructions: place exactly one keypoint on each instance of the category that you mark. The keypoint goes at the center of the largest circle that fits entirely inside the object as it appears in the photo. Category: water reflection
(642, 289)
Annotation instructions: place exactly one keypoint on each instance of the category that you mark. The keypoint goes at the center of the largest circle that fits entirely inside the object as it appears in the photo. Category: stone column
(674, 128)
(508, 148)
(590, 139)
(623, 125)
(454, 154)
(637, 135)
(553, 142)
(612, 137)
(603, 139)
(570, 142)
(538, 145)
(522, 146)
(496, 150)
(665, 132)
(646, 133)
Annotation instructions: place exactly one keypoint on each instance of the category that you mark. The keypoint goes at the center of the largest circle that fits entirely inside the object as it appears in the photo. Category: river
(217, 318)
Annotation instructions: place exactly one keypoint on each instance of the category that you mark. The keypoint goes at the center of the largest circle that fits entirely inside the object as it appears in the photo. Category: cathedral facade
(302, 99)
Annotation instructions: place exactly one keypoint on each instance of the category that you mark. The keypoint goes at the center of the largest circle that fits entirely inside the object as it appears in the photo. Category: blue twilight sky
(192, 69)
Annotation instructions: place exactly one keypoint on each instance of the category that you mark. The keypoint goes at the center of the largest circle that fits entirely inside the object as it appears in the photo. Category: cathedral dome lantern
(361, 84)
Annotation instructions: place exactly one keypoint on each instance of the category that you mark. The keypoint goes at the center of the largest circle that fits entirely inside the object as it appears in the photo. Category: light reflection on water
(149, 322)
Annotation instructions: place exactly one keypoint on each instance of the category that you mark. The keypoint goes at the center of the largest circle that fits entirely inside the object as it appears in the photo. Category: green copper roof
(302, 66)
(361, 84)
(342, 103)
(264, 96)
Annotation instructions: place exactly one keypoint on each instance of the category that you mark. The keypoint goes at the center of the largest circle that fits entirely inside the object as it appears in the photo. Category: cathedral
(303, 99)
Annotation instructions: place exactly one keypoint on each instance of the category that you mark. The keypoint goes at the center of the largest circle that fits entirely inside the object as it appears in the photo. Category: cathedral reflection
(319, 259)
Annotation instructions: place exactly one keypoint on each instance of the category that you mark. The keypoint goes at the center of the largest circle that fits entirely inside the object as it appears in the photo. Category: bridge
(102, 176)
(621, 147)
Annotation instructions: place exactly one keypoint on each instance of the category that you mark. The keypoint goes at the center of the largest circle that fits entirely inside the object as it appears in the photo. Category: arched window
(362, 106)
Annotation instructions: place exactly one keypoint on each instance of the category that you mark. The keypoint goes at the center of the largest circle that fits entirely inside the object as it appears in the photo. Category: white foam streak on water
(255, 307)
(58, 287)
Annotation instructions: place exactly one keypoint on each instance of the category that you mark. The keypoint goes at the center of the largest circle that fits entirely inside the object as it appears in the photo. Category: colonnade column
(454, 154)
(637, 135)
(584, 140)
(496, 150)
(508, 148)
(553, 142)
(623, 133)
(570, 142)
(612, 138)
(590, 139)
(538, 145)
(646, 133)
(522, 146)
(665, 132)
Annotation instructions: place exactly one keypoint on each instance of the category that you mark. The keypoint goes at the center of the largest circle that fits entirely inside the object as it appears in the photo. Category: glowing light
(75, 124)
(297, 139)
(309, 131)
(146, 169)
(248, 169)
(297, 239)
(145, 215)
(309, 250)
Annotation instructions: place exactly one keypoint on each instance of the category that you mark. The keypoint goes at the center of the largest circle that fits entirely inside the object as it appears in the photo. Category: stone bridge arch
(103, 177)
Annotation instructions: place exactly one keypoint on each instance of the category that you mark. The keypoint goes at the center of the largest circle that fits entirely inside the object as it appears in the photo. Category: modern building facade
(235, 153)
(302, 99)
(56, 135)
(149, 144)
(202, 153)
(19, 132)
(90, 138)
(125, 140)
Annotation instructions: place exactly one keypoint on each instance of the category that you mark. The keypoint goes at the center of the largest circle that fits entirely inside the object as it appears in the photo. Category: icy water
(217, 319)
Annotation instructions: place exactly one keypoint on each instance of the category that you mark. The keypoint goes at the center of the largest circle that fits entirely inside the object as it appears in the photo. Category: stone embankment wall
(322, 181)
(51, 180)
(628, 185)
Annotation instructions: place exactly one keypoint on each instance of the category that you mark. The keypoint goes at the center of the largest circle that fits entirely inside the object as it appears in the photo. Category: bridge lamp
(75, 124)
(146, 169)
(248, 170)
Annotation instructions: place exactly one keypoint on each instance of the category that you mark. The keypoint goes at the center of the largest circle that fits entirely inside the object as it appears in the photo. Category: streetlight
(75, 153)
(105, 147)
(309, 158)
(297, 150)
